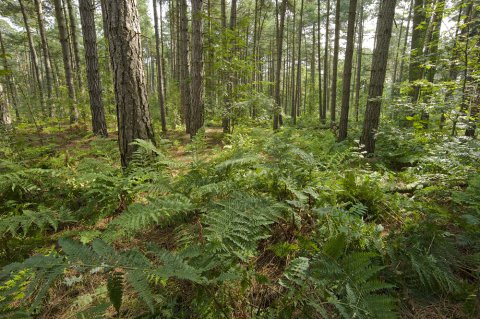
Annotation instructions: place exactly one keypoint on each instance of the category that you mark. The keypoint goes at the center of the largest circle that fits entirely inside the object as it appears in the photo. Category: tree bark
(133, 115)
(34, 58)
(10, 79)
(46, 54)
(336, 46)
(359, 62)
(76, 47)
(185, 94)
(62, 31)
(161, 97)
(281, 25)
(377, 76)
(197, 67)
(297, 104)
(87, 18)
(5, 119)
(347, 71)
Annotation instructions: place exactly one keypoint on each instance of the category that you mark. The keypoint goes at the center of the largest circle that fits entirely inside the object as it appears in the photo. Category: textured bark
(62, 31)
(34, 58)
(10, 79)
(5, 119)
(405, 44)
(347, 71)
(197, 67)
(87, 18)
(278, 69)
(185, 94)
(133, 115)
(336, 46)
(161, 98)
(75, 45)
(394, 91)
(46, 54)
(434, 38)
(377, 76)
(359, 62)
(297, 104)
(418, 38)
(325, 66)
(320, 93)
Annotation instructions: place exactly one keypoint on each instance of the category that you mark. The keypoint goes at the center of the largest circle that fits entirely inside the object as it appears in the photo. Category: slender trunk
(34, 58)
(418, 38)
(320, 97)
(10, 79)
(197, 67)
(347, 71)
(161, 100)
(358, 83)
(333, 102)
(76, 47)
(280, 28)
(397, 57)
(133, 115)
(299, 65)
(325, 66)
(46, 54)
(185, 95)
(5, 119)
(377, 76)
(405, 44)
(87, 18)
(62, 31)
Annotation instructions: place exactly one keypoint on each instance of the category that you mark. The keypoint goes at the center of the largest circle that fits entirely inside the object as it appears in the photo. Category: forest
(250, 159)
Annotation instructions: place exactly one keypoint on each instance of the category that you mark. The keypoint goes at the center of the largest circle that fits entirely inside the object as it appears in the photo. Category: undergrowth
(276, 225)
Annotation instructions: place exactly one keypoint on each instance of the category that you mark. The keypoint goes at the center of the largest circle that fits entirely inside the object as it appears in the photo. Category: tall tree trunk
(299, 66)
(434, 38)
(161, 98)
(336, 46)
(319, 43)
(10, 79)
(76, 47)
(87, 18)
(46, 54)
(133, 114)
(185, 94)
(405, 44)
(34, 58)
(397, 57)
(325, 65)
(5, 119)
(197, 67)
(358, 83)
(418, 39)
(347, 71)
(377, 76)
(280, 28)
(62, 31)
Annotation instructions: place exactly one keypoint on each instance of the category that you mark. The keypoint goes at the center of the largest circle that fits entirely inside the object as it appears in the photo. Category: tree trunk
(433, 41)
(76, 47)
(62, 31)
(296, 109)
(10, 79)
(336, 46)
(34, 58)
(347, 71)
(280, 27)
(405, 43)
(377, 76)
(133, 115)
(5, 119)
(359, 63)
(320, 95)
(197, 67)
(416, 52)
(325, 65)
(46, 54)
(87, 18)
(161, 98)
(185, 94)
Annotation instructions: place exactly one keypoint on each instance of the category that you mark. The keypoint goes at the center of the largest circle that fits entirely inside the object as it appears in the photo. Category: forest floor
(257, 207)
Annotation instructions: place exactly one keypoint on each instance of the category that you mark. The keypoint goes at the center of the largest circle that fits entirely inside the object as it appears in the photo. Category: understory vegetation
(253, 224)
